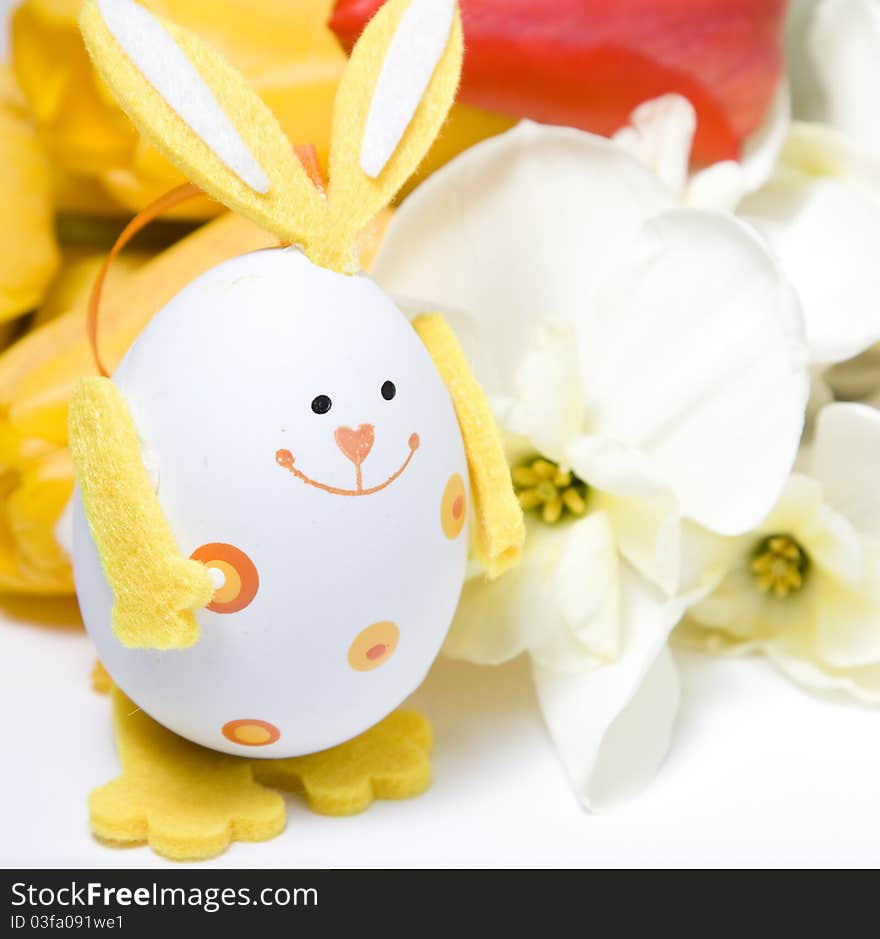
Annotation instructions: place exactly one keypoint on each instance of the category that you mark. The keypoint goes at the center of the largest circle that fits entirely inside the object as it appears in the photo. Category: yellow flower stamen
(779, 566)
(525, 477)
(544, 469)
(556, 493)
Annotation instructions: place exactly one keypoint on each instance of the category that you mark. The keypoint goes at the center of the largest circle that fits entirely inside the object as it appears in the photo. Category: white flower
(820, 214)
(822, 209)
(814, 200)
(833, 184)
(649, 352)
(833, 51)
(660, 135)
(804, 586)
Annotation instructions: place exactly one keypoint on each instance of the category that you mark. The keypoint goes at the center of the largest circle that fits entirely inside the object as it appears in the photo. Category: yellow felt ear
(292, 207)
(155, 588)
(500, 529)
(353, 196)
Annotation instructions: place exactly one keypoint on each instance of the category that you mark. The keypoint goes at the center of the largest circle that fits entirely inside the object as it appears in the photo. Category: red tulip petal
(588, 63)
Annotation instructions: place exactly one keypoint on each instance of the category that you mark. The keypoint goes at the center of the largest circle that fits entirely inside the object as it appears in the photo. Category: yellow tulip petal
(33, 510)
(32, 498)
(81, 195)
(465, 127)
(286, 52)
(73, 284)
(81, 130)
(28, 255)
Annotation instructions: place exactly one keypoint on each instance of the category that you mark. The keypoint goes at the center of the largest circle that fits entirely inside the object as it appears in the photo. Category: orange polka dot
(373, 646)
(240, 578)
(453, 507)
(251, 733)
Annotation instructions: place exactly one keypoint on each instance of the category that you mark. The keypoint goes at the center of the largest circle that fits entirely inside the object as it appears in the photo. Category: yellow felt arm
(500, 530)
(354, 197)
(155, 588)
(292, 208)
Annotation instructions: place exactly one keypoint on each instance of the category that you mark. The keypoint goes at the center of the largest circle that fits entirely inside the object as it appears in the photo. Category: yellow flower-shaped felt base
(191, 803)
(186, 802)
(388, 761)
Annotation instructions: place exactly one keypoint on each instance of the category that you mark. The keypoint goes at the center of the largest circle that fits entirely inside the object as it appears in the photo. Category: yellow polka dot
(231, 585)
(453, 507)
(251, 733)
(241, 580)
(373, 646)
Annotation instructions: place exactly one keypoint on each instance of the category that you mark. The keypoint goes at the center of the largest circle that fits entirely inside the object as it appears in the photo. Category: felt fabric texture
(191, 803)
(500, 528)
(388, 761)
(413, 55)
(293, 208)
(155, 588)
(172, 74)
(186, 802)
(353, 197)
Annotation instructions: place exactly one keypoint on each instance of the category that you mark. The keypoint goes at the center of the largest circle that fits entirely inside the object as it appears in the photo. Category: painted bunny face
(302, 444)
(306, 449)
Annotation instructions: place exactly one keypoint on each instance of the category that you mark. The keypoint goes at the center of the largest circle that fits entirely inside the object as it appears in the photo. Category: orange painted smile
(285, 459)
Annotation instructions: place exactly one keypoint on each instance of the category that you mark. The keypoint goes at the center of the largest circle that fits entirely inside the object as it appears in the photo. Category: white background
(760, 773)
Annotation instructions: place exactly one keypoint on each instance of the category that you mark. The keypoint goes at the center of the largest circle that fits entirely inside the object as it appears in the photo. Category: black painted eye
(321, 404)
(388, 390)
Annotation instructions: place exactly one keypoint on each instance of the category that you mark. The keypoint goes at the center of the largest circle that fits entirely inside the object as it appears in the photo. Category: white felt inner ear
(164, 65)
(413, 55)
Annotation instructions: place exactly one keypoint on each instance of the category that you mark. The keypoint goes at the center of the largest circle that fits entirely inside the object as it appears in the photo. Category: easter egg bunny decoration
(274, 489)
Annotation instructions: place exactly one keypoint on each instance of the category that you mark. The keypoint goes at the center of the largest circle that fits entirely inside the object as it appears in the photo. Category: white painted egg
(304, 446)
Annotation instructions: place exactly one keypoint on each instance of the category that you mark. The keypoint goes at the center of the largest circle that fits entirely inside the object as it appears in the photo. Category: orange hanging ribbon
(309, 158)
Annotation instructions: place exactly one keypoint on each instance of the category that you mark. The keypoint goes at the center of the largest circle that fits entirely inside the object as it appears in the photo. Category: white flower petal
(794, 656)
(846, 460)
(843, 41)
(692, 352)
(719, 186)
(815, 151)
(723, 185)
(659, 135)
(705, 559)
(648, 534)
(825, 234)
(586, 585)
(613, 467)
(612, 724)
(643, 511)
(549, 404)
(848, 617)
(561, 596)
(517, 228)
(738, 608)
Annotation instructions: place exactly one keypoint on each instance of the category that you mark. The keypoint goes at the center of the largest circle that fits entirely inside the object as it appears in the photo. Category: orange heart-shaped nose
(355, 444)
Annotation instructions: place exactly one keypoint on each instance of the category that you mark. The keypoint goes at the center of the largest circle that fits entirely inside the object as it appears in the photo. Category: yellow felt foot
(186, 802)
(389, 761)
